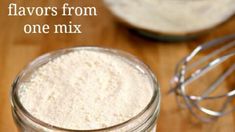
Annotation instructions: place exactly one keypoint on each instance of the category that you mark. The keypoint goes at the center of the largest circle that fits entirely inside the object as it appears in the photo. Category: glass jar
(145, 121)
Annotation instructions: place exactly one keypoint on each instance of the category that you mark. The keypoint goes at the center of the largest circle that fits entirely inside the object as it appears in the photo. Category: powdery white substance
(86, 90)
(173, 16)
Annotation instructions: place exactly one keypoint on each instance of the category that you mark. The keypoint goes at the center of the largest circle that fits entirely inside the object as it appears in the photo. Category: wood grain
(17, 49)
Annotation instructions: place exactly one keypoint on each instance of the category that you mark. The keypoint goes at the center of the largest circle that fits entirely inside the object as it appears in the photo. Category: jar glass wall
(145, 121)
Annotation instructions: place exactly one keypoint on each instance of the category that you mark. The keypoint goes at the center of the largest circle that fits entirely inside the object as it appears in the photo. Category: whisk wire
(180, 81)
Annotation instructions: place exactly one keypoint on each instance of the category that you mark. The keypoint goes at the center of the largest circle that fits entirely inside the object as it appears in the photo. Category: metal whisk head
(201, 64)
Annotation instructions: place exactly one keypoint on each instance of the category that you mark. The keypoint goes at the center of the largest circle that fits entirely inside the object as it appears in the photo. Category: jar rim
(17, 105)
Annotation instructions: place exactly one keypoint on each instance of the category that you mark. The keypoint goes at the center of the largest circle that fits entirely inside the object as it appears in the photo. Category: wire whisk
(189, 70)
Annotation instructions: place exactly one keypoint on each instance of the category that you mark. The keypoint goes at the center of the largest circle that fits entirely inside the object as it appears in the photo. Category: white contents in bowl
(86, 90)
(177, 17)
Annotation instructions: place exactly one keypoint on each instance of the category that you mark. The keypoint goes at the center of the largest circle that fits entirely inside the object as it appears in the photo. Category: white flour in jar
(86, 90)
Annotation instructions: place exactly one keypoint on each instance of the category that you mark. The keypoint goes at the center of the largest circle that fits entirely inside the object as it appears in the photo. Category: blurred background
(17, 49)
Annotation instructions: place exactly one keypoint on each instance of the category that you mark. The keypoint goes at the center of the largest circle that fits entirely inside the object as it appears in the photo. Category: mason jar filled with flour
(86, 89)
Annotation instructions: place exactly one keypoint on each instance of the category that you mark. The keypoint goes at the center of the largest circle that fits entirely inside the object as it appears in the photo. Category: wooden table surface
(17, 49)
